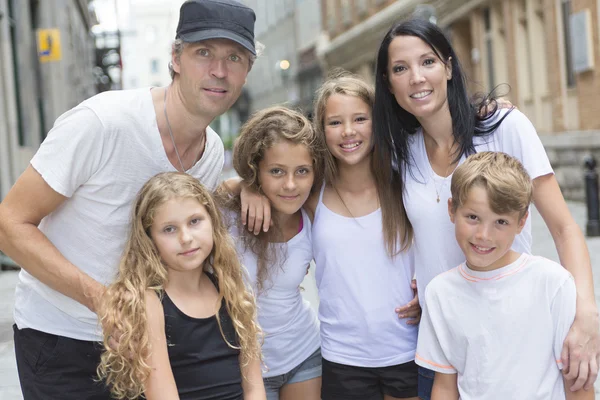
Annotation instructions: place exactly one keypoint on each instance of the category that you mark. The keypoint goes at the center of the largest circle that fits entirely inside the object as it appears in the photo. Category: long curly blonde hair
(263, 130)
(125, 368)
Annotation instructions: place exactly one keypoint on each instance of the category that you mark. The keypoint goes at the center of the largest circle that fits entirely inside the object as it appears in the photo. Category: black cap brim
(207, 34)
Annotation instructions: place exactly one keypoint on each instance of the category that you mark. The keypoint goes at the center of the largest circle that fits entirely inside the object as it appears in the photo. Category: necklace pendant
(438, 199)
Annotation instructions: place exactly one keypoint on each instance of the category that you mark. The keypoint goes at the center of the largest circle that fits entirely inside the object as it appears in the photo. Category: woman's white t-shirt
(435, 246)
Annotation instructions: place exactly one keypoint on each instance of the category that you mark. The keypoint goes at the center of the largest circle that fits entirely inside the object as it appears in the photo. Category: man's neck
(179, 126)
(186, 124)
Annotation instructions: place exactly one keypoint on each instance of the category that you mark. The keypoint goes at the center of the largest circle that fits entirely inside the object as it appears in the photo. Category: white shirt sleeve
(429, 350)
(563, 315)
(517, 137)
(72, 151)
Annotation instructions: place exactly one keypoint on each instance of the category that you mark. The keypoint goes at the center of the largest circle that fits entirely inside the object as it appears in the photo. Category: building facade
(289, 71)
(147, 29)
(273, 76)
(42, 74)
(308, 19)
(543, 55)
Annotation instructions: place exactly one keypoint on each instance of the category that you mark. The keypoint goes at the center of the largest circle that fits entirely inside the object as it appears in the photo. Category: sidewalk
(9, 383)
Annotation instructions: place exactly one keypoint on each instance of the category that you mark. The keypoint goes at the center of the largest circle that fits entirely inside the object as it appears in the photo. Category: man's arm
(445, 387)
(25, 205)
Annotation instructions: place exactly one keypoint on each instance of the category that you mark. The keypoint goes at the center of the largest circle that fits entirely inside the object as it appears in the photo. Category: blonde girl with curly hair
(279, 154)
(185, 322)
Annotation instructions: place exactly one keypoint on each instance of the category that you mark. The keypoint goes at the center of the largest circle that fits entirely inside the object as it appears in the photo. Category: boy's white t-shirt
(502, 331)
(290, 325)
(435, 246)
(98, 155)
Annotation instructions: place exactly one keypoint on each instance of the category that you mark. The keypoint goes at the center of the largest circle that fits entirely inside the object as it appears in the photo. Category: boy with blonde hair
(494, 327)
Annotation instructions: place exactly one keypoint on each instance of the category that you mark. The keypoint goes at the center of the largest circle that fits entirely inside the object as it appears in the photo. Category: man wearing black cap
(65, 221)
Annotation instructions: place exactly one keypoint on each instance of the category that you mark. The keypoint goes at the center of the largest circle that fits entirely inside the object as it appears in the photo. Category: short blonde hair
(507, 183)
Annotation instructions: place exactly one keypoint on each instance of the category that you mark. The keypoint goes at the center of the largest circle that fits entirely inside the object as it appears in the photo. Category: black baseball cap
(217, 19)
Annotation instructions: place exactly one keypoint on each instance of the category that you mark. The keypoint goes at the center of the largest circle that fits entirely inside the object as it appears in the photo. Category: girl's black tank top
(204, 366)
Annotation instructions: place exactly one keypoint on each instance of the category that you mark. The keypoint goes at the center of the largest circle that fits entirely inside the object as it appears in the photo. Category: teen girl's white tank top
(359, 289)
(288, 322)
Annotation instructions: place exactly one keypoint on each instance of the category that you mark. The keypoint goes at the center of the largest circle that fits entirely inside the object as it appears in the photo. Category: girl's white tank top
(359, 289)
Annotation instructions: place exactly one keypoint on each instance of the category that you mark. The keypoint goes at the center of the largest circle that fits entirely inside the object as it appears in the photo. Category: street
(9, 385)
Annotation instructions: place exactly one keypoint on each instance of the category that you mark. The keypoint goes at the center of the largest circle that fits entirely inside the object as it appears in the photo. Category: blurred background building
(46, 60)
(289, 70)
(544, 54)
(547, 51)
(148, 30)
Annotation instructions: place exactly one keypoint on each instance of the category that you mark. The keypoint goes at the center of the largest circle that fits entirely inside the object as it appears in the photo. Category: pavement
(9, 382)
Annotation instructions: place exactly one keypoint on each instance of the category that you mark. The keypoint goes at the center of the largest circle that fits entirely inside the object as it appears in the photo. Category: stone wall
(566, 152)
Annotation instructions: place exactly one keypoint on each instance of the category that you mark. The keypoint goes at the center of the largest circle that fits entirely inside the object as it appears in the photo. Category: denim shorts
(425, 383)
(307, 370)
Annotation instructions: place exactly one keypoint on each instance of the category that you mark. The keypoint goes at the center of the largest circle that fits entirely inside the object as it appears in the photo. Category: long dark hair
(392, 125)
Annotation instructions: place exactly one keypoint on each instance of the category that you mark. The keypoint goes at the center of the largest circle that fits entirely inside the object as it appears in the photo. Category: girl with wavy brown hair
(279, 155)
(185, 322)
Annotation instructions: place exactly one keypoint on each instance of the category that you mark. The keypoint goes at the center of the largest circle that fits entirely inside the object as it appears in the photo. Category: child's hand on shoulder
(256, 210)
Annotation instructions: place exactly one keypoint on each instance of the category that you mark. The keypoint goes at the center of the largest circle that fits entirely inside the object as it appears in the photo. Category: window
(346, 12)
(524, 71)
(566, 14)
(154, 66)
(151, 34)
(331, 16)
(489, 46)
(12, 23)
(362, 6)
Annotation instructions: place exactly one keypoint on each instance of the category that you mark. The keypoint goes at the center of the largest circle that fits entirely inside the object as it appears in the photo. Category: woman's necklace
(433, 177)
(173, 139)
(442, 186)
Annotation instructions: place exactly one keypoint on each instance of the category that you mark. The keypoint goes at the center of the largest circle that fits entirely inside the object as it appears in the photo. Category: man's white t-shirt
(435, 246)
(290, 325)
(99, 155)
(501, 331)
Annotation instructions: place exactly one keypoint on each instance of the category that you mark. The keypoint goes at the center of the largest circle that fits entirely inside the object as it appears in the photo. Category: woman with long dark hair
(425, 125)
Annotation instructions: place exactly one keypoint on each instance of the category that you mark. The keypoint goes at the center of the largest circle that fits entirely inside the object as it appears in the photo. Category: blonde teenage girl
(362, 272)
(185, 321)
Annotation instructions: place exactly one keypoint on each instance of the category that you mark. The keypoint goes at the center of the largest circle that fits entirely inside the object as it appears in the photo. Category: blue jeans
(307, 370)
(425, 383)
